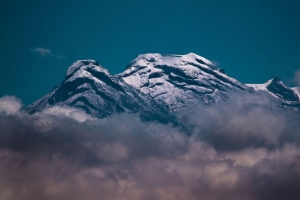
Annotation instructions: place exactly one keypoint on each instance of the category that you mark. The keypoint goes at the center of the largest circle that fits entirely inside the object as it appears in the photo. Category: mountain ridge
(154, 86)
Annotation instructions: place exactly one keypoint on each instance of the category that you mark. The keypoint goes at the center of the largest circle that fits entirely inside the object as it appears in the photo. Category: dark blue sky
(254, 40)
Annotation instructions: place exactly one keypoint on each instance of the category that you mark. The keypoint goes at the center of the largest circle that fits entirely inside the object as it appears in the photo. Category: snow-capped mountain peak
(179, 80)
(170, 60)
(80, 64)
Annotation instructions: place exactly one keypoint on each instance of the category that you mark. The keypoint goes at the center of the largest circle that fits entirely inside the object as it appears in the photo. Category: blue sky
(253, 40)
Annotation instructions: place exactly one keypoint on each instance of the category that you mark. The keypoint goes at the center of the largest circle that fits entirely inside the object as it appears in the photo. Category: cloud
(66, 111)
(10, 105)
(236, 150)
(45, 52)
(245, 120)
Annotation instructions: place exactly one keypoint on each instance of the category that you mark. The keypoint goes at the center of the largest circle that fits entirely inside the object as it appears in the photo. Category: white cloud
(46, 52)
(66, 111)
(10, 105)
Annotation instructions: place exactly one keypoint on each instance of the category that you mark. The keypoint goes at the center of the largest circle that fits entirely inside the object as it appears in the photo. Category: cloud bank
(236, 150)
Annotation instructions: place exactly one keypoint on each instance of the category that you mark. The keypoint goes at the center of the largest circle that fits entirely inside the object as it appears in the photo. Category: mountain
(90, 87)
(276, 88)
(179, 80)
(154, 86)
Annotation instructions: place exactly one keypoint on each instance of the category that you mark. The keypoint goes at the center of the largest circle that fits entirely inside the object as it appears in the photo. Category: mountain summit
(179, 80)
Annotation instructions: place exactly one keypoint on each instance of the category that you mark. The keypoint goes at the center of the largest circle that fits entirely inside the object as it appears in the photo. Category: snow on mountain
(179, 80)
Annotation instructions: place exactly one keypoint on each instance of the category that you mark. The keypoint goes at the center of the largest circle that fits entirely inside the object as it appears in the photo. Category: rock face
(154, 86)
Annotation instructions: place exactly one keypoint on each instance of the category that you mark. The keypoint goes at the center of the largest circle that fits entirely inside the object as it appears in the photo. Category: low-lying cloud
(236, 150)
(246, 120)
